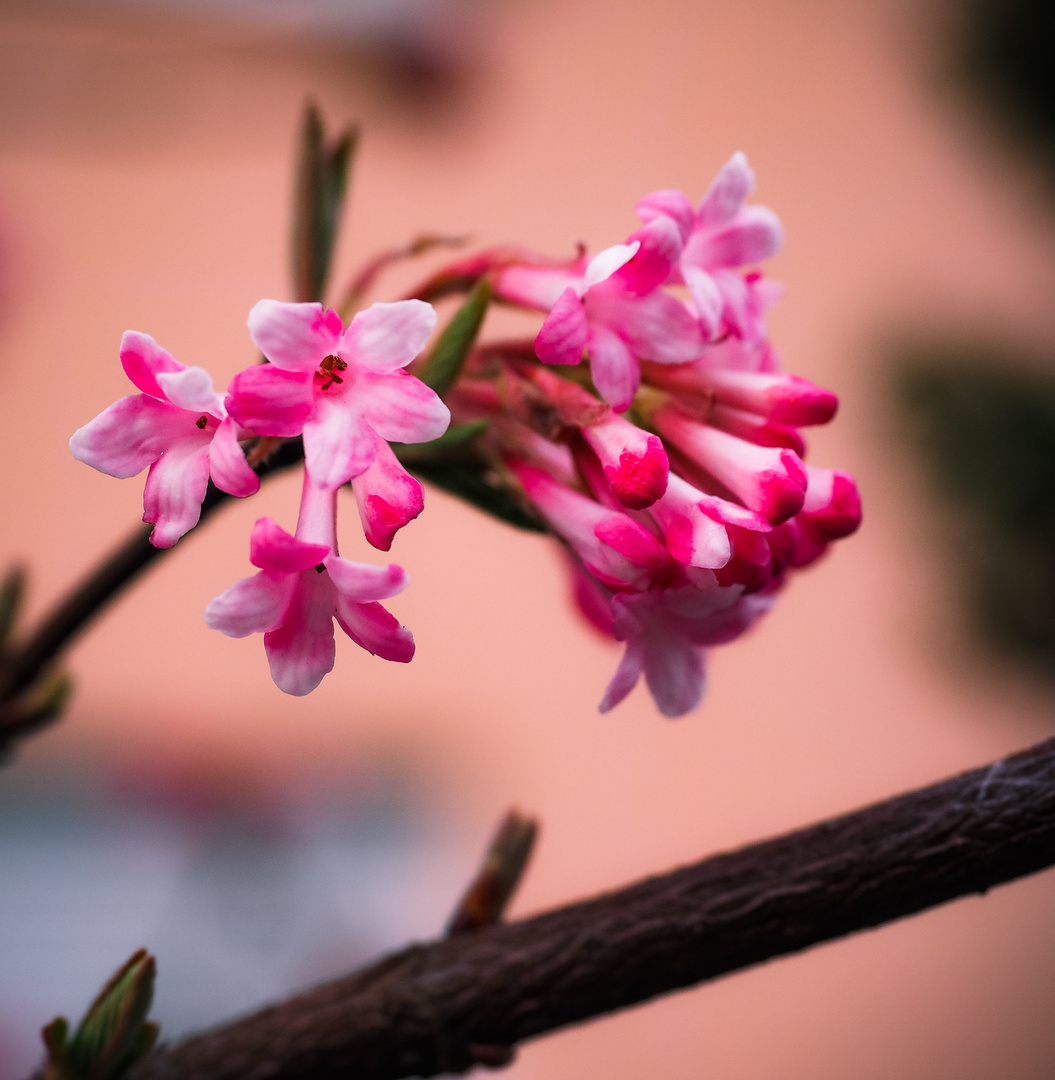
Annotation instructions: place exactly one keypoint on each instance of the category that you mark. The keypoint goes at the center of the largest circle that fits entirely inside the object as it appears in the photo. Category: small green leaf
(454, 437)
(114, 1032)
(443, 364)
(12, 590)
(319, 194)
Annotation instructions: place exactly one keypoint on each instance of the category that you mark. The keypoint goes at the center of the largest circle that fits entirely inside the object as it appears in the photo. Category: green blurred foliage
(985, 427)
(1004, 51)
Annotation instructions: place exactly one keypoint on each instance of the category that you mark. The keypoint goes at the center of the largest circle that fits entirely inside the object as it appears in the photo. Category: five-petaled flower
(178, 426)
(342, 389)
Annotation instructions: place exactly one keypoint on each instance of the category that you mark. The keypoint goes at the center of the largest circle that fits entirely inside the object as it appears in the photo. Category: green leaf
(319, 195)
(114, 1032)
(472, 483)
(443, 364)
(12, 590)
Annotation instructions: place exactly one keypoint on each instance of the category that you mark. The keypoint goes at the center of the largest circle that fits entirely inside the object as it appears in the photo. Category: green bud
(321, 183)
(114, 1033)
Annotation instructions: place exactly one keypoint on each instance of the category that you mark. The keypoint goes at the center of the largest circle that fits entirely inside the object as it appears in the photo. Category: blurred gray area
(242, 896)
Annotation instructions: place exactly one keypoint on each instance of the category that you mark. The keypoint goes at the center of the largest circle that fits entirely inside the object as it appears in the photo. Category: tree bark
(444, 1006)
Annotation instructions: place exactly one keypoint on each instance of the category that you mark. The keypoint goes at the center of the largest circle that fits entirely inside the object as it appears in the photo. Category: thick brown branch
(423, 1010)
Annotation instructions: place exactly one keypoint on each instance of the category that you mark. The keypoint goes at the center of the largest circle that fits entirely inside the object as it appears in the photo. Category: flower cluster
(648, 426)
(346, 392)
(680, 491)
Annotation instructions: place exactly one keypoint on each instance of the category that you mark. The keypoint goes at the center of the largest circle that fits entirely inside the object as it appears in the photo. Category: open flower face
(179, 427)
(341, 389)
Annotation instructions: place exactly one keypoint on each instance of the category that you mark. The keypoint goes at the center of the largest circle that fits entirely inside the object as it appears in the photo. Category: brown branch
(422, 1011)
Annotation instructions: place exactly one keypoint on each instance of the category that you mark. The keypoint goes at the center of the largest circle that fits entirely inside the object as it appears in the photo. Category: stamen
(320, 567)
(202, 422)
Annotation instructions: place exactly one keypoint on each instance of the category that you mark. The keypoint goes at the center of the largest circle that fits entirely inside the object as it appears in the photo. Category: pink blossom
(343, 389)
(612, 308)
(302, 586)
(665, 631)
(179, 427)
(719, 236)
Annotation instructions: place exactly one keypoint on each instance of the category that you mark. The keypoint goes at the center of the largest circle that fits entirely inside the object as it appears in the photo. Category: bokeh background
(258, 843)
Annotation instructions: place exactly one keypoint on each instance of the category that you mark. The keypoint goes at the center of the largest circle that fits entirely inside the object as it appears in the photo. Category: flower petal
(175, 487)
(613, 368)
(376, 630)
(192, 389)
(563, 335)
(294, 337)
(362, 583)
(338, 444)
(626, 675)
(252, 605)
(301, 651)
(131, 434)
(753, 235)
(386, 337)
(274, 550)
(660, 327)
(269, 401)
(674, 671)
(144, 359)
(605, 263)
(401, 408)
(227, 465)
(388, 497)
(727, 193)
(669, 203)
(660, 245)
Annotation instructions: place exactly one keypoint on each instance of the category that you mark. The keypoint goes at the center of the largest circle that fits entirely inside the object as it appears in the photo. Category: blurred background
(259, 843)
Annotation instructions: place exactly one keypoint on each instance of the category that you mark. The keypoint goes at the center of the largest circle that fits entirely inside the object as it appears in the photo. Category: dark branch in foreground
(424, 1010)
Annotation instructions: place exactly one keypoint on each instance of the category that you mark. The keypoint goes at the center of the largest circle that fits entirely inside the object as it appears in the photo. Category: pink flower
(302, 586)
(719, 236)
(179, 427)
(612, 308)
(343, 389)
(387, 496)
(665, 631)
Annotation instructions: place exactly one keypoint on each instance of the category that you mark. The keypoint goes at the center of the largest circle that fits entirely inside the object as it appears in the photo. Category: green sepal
(114, 1033)
(12, 590)
(318, 201)
(454, 437)
(443, 364)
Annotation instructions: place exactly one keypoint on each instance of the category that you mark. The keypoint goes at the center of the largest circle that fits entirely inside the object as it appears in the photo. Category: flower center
(328, 371)
(201, 423)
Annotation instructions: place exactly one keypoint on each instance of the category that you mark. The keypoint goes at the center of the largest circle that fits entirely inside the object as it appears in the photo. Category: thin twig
(422, 1011)
(489, 893)
(28, 660)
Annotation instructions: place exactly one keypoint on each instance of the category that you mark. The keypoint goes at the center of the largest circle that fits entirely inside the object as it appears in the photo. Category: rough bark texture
(442, 1007)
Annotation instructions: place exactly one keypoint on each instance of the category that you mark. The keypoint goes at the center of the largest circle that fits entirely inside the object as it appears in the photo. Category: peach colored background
(144, 175)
